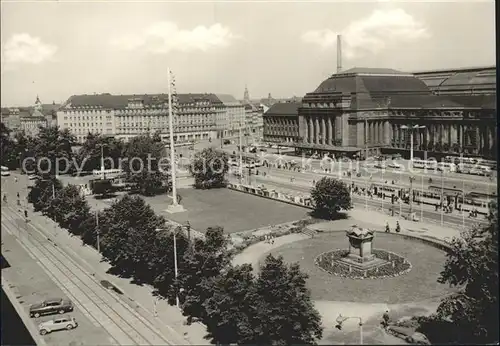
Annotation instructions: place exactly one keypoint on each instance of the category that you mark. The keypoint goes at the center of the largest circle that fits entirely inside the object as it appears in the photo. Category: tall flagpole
(175, 206)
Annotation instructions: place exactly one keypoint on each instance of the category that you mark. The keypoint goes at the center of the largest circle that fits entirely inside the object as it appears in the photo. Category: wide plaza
(234, 211)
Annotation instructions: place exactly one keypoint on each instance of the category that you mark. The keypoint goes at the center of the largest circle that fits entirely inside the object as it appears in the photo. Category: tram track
(126, 326)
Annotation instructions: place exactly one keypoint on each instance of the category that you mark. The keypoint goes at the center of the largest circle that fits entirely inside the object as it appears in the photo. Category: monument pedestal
(360, 250)
(175, 208)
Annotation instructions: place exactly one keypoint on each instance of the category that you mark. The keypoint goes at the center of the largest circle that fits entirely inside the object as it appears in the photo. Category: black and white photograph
(248, 172)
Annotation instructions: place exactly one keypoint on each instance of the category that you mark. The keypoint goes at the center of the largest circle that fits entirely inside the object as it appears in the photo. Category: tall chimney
(339, 53)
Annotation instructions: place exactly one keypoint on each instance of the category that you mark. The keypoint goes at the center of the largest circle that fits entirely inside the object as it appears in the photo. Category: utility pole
(341, 319)
(175, 266)
(442, 197)
(410, 200)
(98, 232)
(422, 200)
(240, 158)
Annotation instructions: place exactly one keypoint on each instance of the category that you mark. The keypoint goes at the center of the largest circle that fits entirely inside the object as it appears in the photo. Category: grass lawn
(417, 285)
(233, 210)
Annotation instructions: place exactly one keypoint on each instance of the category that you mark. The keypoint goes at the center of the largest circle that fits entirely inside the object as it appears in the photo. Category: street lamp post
(341, 319)
(410, 200)
(442, 197)
(98, 232)
(240, 154)
(422, 199)
(176, 273)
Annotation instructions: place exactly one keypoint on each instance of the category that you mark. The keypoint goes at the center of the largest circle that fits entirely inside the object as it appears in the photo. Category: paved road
(282, 182)
(13, 330)
(451, 180)
(101, 305)
(28, 282)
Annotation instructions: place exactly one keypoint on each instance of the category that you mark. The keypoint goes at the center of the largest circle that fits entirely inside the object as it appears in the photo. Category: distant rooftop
(284, 109)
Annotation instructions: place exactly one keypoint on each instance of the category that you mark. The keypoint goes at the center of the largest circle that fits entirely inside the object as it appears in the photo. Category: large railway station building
(364, 111)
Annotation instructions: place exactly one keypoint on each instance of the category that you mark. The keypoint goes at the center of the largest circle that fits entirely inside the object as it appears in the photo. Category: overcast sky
(57, 49)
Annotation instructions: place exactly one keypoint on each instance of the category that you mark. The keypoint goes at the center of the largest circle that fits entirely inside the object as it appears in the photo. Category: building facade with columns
(281, 123)
(361, 112)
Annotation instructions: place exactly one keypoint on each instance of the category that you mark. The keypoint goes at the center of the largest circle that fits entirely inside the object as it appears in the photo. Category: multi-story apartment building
(362, 111)
(254, 124)
(31, 124)
(233, 117)
(29, 118)
(126, 116)
(281, 123)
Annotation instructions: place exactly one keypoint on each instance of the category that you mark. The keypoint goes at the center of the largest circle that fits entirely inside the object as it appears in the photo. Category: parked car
(66, 322)
(32, 176)
(227, 141)
(5, 173)
(51, 306)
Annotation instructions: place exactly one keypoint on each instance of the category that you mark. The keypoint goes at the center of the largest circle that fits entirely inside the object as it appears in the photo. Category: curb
(99, 277)
(22, 314)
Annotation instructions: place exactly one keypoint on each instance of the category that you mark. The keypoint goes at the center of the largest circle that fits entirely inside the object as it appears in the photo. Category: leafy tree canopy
(330, 196)
(70, 209)
(143, 165)
(128, 230)
(89, 155)
(205, 261)
(209, 168)
(42, 192)
(472, 264)
(286, 314)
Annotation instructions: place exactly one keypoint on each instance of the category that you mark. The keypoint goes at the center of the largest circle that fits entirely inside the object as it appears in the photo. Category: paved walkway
(168, 318)
(370, 313)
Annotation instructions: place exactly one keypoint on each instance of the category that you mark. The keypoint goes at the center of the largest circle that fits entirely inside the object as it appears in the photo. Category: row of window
(89, 117)
(85, 111)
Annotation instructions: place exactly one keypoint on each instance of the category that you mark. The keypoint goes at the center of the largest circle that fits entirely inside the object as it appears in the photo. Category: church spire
(38, 104)
(246, 95)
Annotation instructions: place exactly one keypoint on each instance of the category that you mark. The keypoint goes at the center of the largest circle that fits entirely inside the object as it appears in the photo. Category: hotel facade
(196, 116)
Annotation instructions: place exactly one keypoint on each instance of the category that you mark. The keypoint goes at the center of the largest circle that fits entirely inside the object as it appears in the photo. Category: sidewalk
(373, 219)
(303, 182)
(169, 318)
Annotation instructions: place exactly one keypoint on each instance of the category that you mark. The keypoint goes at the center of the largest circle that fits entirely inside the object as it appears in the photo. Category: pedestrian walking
(387, 228)
(398, 227)
(15, 179)
(385, 319)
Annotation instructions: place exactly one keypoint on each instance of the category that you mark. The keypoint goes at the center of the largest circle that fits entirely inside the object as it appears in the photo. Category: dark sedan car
(51, 306)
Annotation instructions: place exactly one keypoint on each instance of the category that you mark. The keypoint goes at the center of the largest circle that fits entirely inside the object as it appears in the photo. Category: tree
(102, 187)
(42, 193)
(161, 271)
(330, 196)
(50, 145)
(143, 166)
(231, 309)
(202, 263)
(285, 312)
(209, 168)
(9, 149)
(89, 155)
(70, 209)
(128, 231)
(472, 314)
